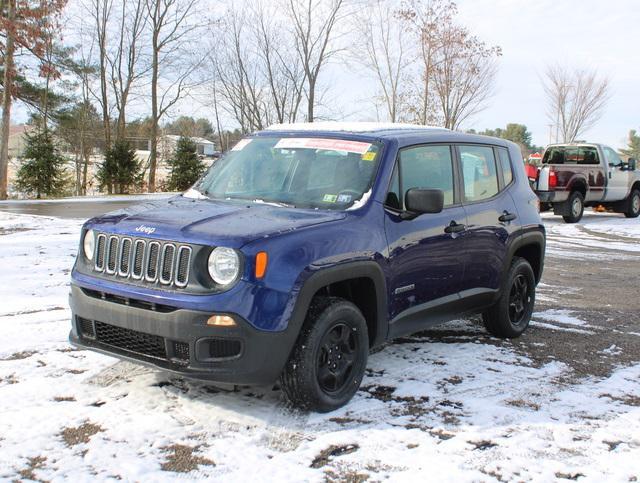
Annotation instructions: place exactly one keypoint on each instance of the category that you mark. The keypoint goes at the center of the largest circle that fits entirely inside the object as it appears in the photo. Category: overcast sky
(604, 35)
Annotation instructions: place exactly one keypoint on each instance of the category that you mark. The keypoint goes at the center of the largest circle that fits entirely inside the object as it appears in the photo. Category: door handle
(506, 216)
(454, 227)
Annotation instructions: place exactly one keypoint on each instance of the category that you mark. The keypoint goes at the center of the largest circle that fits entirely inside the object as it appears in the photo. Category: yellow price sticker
(369, 156)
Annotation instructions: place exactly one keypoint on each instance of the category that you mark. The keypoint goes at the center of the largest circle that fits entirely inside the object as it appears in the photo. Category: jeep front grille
(153, 261)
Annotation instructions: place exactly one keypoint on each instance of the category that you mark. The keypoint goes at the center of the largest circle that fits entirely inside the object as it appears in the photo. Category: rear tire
(510, 315)
(328, 362)
(633, 204)
(576, 207)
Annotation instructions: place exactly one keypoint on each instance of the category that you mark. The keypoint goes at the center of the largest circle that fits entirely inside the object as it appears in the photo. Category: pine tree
(185, 165)
(120, 170)
(42, 171)
(633, 147)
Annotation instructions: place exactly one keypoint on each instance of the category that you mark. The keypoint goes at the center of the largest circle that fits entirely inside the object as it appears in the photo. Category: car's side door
(492, 220)
(618, 178)
(426, 253)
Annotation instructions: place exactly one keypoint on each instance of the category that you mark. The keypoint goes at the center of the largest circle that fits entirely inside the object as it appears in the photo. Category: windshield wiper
(274, 203)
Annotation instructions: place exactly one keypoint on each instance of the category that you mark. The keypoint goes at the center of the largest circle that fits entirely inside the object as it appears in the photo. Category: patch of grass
(521, 403)
(626, 399)
(180, 459)
(75, 371)
(482, 445)
(347, 476)
(326, 455)
(568, 476)
(16, 356)
(64, 399)
(33, 463)
(80, 434)
(10, 379)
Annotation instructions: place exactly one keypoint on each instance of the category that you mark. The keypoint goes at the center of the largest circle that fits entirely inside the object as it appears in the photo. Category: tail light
(553, 179)
(531, 171)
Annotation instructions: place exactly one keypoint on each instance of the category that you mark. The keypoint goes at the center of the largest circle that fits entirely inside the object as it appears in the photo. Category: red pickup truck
(575, 176)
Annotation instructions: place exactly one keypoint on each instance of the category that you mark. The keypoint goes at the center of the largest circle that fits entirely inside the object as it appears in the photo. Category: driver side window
(429, 167)
(612, 156)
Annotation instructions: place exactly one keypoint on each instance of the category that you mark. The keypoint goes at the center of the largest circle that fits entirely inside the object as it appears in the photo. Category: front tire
(328, 362)
(633, 205)
(576, 207)
(510, 315)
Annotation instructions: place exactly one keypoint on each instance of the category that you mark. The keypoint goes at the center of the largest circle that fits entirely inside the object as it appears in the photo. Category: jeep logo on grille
(145, 229)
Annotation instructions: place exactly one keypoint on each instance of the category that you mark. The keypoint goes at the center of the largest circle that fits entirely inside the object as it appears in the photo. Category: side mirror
(632, 164)
(418, 201)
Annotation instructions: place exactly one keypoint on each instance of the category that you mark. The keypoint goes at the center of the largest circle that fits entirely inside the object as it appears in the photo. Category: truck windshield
(303, 172)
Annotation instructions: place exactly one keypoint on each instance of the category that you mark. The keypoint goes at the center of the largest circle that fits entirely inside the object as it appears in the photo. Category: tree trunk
(312, 100)
(6, 103)
(153, 156)
(84, 173)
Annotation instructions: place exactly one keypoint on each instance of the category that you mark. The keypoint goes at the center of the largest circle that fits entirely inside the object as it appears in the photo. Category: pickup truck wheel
(633, 205)
(327, 364)
(511, 314)
(576, 207)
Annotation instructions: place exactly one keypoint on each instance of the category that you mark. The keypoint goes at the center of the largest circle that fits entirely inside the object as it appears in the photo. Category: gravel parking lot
(448, 404)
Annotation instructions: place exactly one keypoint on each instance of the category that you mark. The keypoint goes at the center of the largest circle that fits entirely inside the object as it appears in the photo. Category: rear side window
(505, 165)
(429, 167)
(479, 172)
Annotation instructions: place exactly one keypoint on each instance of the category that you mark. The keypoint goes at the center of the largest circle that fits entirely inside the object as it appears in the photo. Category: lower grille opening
(86, 328)
(130, 340)
(222, 348)
(181, 351)
(140, 304)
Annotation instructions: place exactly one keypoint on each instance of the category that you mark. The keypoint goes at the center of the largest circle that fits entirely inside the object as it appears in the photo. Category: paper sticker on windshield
(369, 156)
(330, 198)
(322, 143)
(344, 198)
(240, 145)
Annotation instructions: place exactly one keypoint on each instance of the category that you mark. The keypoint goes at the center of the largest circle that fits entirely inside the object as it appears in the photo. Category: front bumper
(178, 340)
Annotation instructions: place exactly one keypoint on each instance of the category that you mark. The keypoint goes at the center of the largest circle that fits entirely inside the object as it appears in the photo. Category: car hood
(209, 222)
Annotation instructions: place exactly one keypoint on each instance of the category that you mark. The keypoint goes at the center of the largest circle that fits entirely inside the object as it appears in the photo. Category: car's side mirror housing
(418, 201)
(632, 164)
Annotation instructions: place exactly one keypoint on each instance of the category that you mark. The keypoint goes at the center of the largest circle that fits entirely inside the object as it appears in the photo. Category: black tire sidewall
(630, 211)
(310, 394)
(497, 318)
(571, 217)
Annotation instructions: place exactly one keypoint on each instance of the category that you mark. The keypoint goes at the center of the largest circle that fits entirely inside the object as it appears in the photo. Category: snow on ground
(594, 232)
(450, 404)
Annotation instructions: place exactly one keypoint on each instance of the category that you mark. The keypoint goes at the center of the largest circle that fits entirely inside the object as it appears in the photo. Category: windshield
(294, 171)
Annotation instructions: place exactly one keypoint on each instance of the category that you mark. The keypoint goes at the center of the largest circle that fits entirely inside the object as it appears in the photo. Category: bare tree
(282, 71)
(173, 24)
(463, 75)
(124, 61)
(425, 19)
(100, 12)
(577, 99)
(384, 52)
(314, 25)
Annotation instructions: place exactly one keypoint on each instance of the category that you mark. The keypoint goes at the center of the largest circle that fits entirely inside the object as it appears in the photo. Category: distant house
(204, 147)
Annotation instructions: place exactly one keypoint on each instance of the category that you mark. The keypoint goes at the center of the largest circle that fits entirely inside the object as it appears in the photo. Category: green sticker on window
(330, 198)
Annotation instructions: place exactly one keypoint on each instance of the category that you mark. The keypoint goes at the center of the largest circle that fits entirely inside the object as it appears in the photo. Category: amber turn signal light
(261, 264)
(221, 321)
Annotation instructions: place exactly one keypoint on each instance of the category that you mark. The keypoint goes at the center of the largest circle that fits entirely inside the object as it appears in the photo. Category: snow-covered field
(451, 404)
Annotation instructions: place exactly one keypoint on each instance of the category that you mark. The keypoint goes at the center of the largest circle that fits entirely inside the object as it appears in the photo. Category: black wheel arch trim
(531, 238)
(341, 273)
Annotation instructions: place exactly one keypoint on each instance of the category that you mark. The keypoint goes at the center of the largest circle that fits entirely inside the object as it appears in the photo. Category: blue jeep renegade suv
(307, 245)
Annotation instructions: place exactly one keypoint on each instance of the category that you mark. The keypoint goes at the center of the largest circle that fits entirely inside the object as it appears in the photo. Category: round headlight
(89, 244)
(224, 265)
